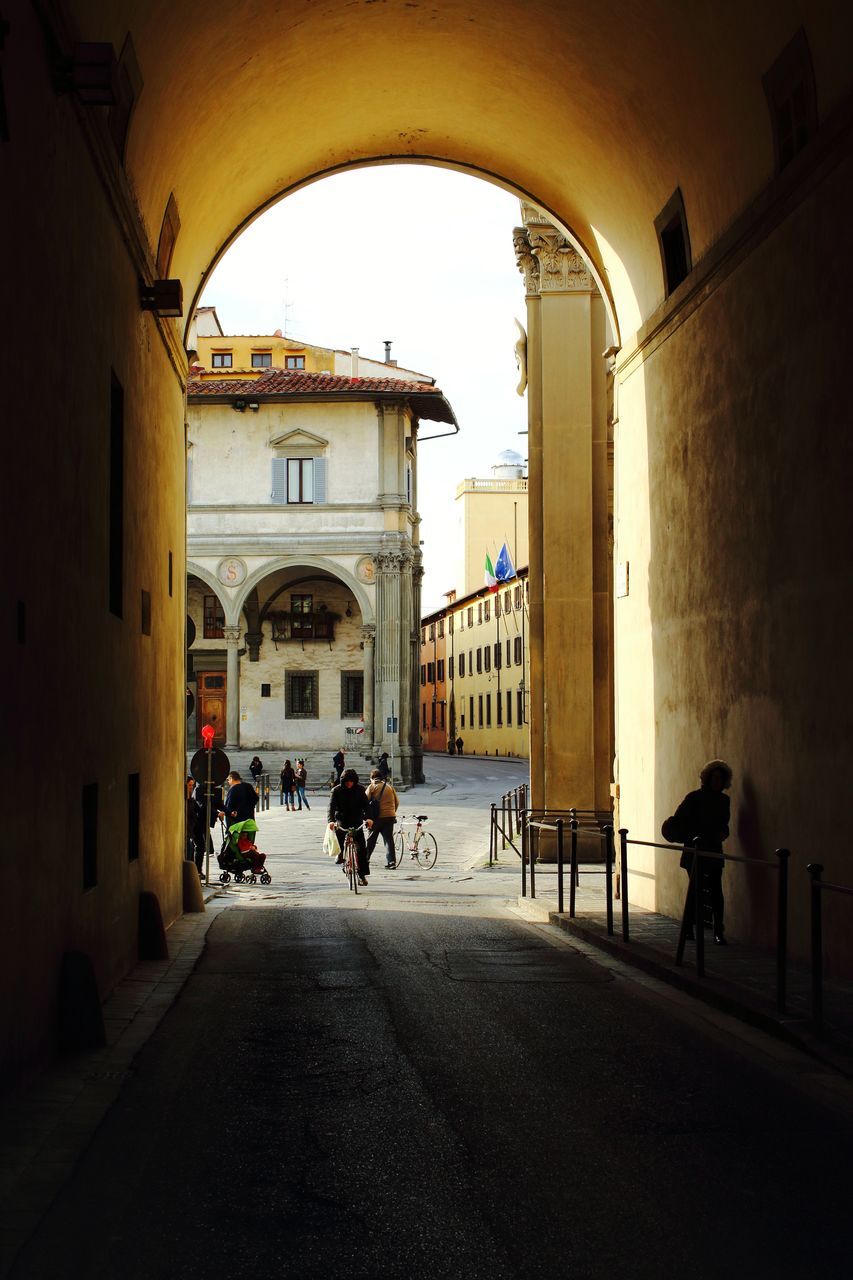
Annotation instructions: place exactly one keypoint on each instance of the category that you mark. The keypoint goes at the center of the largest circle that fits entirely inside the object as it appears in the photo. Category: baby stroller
(240, 857)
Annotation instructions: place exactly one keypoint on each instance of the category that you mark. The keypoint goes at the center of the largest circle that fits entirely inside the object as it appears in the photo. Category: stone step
(317, 763)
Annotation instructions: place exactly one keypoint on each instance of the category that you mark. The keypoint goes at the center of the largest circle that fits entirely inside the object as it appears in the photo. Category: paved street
(418, 1082)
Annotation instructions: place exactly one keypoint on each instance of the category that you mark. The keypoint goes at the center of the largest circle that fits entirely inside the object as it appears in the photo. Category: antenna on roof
(287, 307)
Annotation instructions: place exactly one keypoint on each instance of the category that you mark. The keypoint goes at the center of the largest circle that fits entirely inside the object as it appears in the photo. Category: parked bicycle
(350, 867)
(421, 845)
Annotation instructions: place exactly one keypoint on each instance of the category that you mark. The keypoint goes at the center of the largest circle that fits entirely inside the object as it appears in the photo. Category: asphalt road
(418, 1083)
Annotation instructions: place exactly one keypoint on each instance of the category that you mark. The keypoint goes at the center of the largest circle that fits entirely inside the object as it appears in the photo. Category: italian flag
(490, 580)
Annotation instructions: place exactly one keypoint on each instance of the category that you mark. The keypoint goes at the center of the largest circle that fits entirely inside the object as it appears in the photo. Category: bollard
(608, 885)
(815, 870)
(698, 916)
(193, 897)
(782, 932)
(524, 839)
(573, 868)
(492, 833)
(560, 865)
(623, 877)
(532, 853)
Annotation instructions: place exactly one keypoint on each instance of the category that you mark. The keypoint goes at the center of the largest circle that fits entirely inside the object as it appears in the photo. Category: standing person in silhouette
(288, 785)
(703, 815)
(301, 775)
(459, 745)
(338, 762)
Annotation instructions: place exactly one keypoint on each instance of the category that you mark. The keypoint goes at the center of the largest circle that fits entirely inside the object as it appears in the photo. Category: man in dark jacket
(703, 816)
(338, 762)
(241, 799)
(198, 813)
(349, 808)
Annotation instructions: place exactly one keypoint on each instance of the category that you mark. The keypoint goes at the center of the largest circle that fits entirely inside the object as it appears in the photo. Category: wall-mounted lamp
(254, 406)
(164, 297)
(239, 405)
(90, 72)
(349, 610)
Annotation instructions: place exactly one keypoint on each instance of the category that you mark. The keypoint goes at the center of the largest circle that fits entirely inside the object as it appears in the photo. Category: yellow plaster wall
(317, 359)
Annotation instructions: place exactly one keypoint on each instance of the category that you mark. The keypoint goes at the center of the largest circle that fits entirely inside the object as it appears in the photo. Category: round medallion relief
(231, 572)
(365, 570)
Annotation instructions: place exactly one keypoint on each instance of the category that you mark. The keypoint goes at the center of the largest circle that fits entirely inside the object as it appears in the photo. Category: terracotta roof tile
(296, 382)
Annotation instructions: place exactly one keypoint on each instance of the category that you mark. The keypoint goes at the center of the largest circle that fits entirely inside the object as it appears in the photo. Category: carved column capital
(561, 268)
(368, 633)
(526, 261)
(232, 637)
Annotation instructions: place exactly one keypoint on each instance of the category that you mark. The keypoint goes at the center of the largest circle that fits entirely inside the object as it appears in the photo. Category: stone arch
(587, 250)
(204, 575)
(315, 562)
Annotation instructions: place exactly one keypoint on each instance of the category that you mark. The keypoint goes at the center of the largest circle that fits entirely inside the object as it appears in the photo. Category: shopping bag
(330, 843)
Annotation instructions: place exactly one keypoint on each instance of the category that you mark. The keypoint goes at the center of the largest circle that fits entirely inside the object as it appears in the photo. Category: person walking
(383, 765)
(338, 762)
(301, 776)
(256, 768)
(459, 745)
(384, 801)
(198, 827)
(241, 800)
(703, 816)
(288, 785)
(348, 809)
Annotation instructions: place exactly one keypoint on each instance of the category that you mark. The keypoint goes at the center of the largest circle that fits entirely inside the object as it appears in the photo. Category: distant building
(475, 672)
(490, 512)
(303, 549)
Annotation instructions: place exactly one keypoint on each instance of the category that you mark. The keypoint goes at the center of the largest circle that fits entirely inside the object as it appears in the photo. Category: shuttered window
(298, 481)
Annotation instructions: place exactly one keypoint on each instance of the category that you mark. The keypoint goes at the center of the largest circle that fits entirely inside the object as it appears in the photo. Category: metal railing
(817, 888)
(263, 788)
(579, 821)
(505, 821)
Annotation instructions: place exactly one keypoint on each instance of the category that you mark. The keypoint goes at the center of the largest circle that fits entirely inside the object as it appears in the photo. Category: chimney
(354, 369)
(387, 350)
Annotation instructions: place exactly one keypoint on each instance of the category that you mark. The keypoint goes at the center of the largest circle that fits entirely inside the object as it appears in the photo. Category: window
(498, 605)
(479, 660)
(300, 695)
(89, 798)
(790, 89)
(294, 362)
(499, 709)
(222, 359)
(132, 817)
(520, 706)
(352, 694)
(423, 635)
(439, 675)
(488, 711)
(471, 712)
(302, 620)
(433, 723)
(517, 646)
(266, 691)
(128, 89)
(450, 667)
(461, 665)
(423, 718)
(432, 631)
(423, 674)
(450, 624)
(487, 658)
(480, 710)
(508, 652)
(497, 655)
(507, 601)
(145, 613)
(169, 229)
(462, 721)
(430, 673)
(471, 616)
(440, 628)
(518, 600)
(674, 242)
(441, 713)
(261, 359)
(508, 707)
(300, 479)
(479, 612)
(487, 610)
(116, 499)
(470, 663)
(214, 618)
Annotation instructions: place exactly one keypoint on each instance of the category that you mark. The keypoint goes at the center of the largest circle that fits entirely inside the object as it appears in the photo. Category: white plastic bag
(330, 843)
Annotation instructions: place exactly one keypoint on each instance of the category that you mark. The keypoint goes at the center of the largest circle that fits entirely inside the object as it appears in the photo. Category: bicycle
(350, 856)
(421, 845)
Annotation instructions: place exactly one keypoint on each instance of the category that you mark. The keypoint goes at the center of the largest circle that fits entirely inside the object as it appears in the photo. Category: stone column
(407, 624)
(232, 690)
(570, 653)
(368, 637)
(387, 656)
(414, 666)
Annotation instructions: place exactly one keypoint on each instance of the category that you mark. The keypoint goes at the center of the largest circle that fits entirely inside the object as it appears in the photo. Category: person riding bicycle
(349, 808)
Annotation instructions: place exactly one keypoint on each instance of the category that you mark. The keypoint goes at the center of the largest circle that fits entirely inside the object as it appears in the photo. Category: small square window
(300, 697)
(222, 359)
(266, 690)
(261, 359)
(294, 362)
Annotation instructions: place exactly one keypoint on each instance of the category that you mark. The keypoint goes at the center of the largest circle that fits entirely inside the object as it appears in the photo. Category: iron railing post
(560, 900)
(782, 932)
(492, 832)
(815, 870)
(532, 855)
(698, 913)
(608, 885)
(623, 880)
(573, 868)
(503, 825)
(524, 839)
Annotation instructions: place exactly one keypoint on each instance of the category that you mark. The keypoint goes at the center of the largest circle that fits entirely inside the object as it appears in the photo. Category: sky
(422, 256)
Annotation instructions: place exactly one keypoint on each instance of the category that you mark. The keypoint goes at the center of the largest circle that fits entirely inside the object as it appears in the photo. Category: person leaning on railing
(703, 816)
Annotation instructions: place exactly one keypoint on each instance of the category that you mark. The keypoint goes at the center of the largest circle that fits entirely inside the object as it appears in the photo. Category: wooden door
(211, 704)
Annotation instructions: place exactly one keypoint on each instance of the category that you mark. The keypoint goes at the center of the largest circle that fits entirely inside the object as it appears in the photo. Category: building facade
(303, 559)
(475, 672)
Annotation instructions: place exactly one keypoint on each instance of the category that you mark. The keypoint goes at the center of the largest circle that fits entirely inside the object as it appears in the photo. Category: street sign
(220, 765)
(391, 724)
